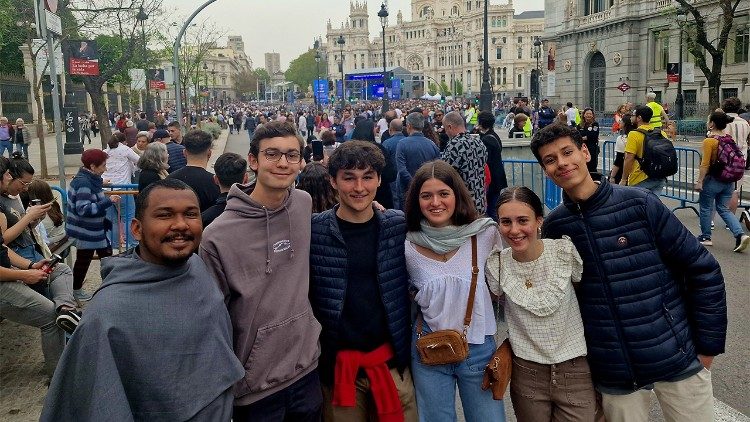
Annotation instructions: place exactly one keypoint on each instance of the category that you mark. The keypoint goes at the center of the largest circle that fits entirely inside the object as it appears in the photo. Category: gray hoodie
(260, 258)
(154, 345)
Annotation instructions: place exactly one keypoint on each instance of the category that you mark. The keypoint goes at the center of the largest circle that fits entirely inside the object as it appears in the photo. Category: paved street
(23, 386)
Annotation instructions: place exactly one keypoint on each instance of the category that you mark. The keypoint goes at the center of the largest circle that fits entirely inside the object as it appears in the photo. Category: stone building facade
(594, 46)
(442, 41)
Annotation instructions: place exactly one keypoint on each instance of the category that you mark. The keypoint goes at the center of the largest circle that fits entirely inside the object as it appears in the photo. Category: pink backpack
(730, 163)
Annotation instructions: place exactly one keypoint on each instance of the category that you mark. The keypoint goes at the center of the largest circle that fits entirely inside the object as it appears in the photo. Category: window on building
(468, 78)
(223, 80)
(505, 76)
(661, 49)
(520, 52)
(428, 61)
(520, 80)
(741, 45)
(454, 10)
(499, 53)
(505, 40)
(520, 40)
(595, 6)
(728, 92)
(468, 6)
(442, 78)
(468, 57)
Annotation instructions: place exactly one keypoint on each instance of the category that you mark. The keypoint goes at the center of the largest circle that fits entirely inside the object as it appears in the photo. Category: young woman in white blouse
(550, 380)
(441, 219)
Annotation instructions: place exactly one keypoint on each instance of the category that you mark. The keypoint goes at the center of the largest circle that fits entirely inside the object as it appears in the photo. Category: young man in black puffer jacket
(652, 298)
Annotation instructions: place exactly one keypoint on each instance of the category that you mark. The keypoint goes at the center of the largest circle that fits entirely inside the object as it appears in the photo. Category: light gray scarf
(445, 239)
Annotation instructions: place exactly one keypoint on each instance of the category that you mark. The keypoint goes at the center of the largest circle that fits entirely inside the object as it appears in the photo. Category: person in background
(121, 162)
(141, 142)
(519, 122)
(617, 125)
(6, 136)
(626, 125)
(54, 220)
(21, 138)
(589, 129)
(632, 175)
(659, 117)
(197, 152)
(716, 193)
(130, 133)
(546, 114)
(84, 126)
(494, 146)
(94, 125)
(230, 168)
(365, 131)
(153, 164)
(86, 219)
(315, 180)
(177, 159)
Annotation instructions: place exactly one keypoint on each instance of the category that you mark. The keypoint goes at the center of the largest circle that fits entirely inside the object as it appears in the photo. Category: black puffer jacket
(328, 277)
(651, 296)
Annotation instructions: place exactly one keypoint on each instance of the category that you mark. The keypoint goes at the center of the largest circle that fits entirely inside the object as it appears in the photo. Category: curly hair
(315, 180)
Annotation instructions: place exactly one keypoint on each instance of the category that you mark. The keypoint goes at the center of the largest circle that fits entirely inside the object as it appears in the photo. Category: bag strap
(472, 292)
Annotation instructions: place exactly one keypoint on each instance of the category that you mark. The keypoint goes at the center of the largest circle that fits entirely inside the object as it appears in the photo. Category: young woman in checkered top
(535, 279)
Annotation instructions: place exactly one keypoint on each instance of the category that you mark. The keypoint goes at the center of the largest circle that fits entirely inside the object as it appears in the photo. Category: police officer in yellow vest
(659, 118)
(470, 116)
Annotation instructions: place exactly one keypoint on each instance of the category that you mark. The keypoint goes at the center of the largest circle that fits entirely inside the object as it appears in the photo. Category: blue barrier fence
(530, 174)
(120, 215)
(679, 186)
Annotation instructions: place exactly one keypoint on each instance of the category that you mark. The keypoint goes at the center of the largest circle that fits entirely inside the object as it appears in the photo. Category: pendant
(528, 284)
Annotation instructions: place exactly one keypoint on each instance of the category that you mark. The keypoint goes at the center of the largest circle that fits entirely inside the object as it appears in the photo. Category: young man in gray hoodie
(155, 342)
(258, 249)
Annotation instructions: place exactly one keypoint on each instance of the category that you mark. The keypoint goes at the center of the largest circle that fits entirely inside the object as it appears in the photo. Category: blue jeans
(654, 185)
(717, 192)
(6, 144)
(127, 212)
(435, 386)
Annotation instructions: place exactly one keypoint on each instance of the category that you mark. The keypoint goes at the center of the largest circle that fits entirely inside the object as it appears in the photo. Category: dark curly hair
(356, 155)
(552, 133)
(315, 180)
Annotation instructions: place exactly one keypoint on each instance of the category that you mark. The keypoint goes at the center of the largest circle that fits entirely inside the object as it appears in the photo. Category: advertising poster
(82, 57)
(156, 79)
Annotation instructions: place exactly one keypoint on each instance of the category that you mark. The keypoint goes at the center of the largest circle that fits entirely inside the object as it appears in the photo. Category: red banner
(84, 67)
(157, 85)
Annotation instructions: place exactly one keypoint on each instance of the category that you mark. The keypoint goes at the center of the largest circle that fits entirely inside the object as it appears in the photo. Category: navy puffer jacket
(651, 297)
(328, 276)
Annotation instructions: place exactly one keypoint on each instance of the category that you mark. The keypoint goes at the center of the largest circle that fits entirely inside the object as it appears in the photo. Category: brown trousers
(560, 392)
(365, 410)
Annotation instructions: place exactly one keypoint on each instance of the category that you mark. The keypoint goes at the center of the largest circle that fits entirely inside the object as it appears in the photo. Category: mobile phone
(317, 150)
(36, 202)
(50, 265)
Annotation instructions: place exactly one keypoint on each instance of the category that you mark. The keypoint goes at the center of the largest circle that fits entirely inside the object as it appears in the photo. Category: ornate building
(594, 46)
(442, 43)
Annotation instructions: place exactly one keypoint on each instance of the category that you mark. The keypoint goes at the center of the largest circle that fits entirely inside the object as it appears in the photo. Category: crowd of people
(372, 268)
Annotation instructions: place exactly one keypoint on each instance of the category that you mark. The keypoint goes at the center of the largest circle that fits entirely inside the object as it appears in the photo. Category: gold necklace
(528, 283)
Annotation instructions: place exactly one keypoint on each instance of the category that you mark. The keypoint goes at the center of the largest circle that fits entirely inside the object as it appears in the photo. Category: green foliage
(261, 74)
(459, 88)
(213, 128)
(444, 90)
(303, 70)
(111, 50)
(432, 88)
(11, 37)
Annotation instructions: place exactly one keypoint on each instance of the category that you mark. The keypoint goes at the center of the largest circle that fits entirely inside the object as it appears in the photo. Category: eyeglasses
(24, 184)
(274, 155)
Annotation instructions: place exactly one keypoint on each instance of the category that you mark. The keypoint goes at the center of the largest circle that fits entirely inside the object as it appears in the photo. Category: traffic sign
(623, 87)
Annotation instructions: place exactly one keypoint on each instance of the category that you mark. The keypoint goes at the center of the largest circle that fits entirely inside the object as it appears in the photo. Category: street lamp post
(537, 53)
(141, 17)
(205, 85)
(340, 41)
(383, 15)
(453, 58)
(679, 102)
(316, 85)
(213, 85)
(485, 94)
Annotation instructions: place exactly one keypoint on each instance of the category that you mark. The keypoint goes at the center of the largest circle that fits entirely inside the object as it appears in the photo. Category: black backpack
(659, 159)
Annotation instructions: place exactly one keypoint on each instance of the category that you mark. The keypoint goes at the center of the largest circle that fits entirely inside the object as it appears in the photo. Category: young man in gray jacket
(258, 249)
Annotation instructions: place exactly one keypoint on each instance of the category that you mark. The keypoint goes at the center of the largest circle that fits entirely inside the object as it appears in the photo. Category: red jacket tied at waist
(384, 392)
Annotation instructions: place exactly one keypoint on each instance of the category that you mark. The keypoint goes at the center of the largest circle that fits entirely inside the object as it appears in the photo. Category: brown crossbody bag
(449, 346)
(498, 370)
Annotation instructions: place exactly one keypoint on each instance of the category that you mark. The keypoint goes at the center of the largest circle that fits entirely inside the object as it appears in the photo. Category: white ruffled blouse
(443, 288)
(544, 320)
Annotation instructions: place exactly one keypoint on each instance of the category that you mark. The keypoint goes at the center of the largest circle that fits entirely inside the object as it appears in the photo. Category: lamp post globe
(340, 41)
(383, 15)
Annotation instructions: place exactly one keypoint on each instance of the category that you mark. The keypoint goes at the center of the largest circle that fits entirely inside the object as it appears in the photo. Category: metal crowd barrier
(120, 215)
(680, 186)
(530, 174)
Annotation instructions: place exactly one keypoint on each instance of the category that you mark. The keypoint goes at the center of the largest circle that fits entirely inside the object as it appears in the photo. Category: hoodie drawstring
(268, 242)
(291, 245)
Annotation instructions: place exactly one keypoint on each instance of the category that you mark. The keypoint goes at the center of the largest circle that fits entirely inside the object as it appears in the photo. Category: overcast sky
(290, 26)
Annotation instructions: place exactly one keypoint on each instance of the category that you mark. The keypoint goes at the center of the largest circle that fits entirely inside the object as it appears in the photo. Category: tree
(432, 89)
(698, 43)
(459, 88)
(444, 90)
(303, 70)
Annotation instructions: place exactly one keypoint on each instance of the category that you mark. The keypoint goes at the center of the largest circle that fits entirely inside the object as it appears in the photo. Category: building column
(118, 90)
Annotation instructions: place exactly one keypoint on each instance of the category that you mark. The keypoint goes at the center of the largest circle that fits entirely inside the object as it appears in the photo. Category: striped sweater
(87, 210)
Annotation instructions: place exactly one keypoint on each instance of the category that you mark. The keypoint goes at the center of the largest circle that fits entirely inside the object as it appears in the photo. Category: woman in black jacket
(365, 131)
(589, 129)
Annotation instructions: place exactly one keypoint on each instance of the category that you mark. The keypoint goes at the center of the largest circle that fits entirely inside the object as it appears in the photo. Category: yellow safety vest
(527, 128)
(656, 117)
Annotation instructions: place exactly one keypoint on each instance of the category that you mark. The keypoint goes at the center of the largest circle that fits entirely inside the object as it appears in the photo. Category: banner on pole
(82, 57)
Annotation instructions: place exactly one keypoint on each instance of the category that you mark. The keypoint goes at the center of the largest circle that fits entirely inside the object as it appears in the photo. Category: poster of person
(551, 52)
(156, 79)
(82, 57)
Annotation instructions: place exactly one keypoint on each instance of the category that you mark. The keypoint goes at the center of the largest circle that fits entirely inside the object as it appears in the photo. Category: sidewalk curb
(217, 149)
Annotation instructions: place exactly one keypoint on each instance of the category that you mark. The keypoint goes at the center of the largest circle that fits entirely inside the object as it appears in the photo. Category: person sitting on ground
(230, 168)
(315, 180)
(157, 366)
(197, 152)
(153, 164)
(54, 220)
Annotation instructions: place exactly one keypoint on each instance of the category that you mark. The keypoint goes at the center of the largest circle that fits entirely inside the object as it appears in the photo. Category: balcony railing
(595, 18)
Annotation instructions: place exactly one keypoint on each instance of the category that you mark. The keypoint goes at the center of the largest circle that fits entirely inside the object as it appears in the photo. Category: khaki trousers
(559, 392)
(688, 400)
(365, 410)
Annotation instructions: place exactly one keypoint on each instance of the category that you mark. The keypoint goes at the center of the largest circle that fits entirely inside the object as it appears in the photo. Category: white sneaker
(81, 296)
(743, 241)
